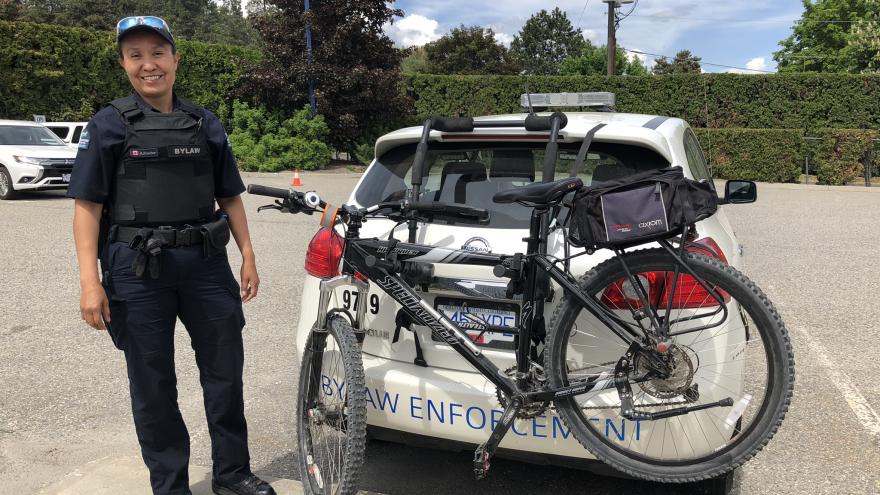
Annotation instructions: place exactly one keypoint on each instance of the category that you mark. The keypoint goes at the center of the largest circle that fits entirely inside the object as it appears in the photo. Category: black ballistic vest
(165, 175)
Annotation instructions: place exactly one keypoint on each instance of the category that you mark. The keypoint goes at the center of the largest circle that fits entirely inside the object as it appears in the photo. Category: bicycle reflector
(324, 253)
(689, 294)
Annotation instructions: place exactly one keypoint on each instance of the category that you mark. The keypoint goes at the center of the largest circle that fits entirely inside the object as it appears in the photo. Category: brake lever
(269, 207)
(284, 206)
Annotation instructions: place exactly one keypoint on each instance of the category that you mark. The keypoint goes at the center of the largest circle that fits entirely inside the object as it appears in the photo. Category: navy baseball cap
(135, 23)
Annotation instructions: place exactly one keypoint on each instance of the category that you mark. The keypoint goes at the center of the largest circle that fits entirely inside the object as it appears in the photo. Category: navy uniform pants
(204, 294)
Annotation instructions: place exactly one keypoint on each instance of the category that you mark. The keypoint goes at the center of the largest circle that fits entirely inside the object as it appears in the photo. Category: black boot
(248, 486)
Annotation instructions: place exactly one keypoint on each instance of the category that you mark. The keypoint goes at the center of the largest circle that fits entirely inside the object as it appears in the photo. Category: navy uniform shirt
(100, 150)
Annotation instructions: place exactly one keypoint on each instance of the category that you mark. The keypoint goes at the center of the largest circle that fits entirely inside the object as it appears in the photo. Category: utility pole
(612, 35)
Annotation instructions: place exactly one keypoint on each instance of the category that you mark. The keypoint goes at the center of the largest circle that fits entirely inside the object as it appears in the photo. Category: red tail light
(689, 294)
(324, 253)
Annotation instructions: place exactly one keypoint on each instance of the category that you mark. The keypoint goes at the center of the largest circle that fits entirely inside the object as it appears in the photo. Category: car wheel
(6, 190)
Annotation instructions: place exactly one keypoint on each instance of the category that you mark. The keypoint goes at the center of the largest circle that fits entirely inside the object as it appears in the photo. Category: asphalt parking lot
(64, 396)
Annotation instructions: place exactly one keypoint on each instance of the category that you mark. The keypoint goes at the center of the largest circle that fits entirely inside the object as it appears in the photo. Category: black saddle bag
(638, 209)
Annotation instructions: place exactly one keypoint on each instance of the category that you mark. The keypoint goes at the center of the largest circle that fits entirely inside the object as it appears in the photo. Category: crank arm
(484, 452)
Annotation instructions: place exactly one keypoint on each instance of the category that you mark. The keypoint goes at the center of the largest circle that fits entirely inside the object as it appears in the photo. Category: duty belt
(149, 241)
(187, 236)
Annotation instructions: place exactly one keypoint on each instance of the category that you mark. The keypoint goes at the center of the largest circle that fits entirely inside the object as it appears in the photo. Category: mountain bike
(665, 335)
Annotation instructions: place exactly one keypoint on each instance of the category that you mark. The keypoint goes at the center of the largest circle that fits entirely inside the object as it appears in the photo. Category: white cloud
(592, 36)
(503, 38)
(757, 65)
(413, 29)
(641, 57)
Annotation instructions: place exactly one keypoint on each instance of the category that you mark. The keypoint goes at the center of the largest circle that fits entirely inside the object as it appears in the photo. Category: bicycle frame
(536, 269)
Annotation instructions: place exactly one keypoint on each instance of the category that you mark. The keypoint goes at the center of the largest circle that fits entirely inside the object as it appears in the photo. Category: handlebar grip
(273, 192)
(453, 124)
(535, 122)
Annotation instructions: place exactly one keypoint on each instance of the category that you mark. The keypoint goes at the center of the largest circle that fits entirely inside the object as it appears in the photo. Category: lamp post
(309, 59)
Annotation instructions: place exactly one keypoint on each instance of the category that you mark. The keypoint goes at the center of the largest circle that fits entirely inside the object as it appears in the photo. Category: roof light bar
(597, 99)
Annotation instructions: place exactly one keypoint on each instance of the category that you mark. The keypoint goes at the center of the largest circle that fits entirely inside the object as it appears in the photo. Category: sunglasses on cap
(148, 21)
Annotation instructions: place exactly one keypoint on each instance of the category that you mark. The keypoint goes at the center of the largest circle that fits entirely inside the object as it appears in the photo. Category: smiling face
(150, 63)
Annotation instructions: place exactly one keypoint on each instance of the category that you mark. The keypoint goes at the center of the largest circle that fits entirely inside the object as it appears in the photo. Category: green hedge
(778, 155)
(69, 73)
(776, 101)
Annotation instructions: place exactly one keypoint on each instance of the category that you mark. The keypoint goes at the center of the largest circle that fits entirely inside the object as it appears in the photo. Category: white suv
(448, 399)
(32, 158)
(69, 132)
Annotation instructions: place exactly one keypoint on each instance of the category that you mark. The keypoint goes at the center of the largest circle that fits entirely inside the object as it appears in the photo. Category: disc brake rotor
(679, 382)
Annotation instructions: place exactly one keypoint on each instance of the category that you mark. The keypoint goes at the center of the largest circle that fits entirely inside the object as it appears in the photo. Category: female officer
(149, 169)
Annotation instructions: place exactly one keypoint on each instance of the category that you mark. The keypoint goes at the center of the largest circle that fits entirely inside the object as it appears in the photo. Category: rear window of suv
(471, 173)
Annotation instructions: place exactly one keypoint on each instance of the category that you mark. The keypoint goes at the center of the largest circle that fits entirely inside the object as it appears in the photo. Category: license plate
(65, 177)
(467, 312)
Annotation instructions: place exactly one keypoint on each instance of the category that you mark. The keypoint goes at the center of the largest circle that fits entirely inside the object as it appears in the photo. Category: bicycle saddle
(539, 193)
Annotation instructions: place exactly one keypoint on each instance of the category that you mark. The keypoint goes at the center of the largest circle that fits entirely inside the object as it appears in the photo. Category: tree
(415, 60)
(200, 20)
(817, 45)
(544, 41)
(468, 50)
(355, 67)
(864, 43)
(593, 60)
(683, 63)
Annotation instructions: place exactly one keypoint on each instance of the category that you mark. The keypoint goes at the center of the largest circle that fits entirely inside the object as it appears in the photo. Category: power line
(582, 13)
(653, 16)
(701, 62)
(796, 21)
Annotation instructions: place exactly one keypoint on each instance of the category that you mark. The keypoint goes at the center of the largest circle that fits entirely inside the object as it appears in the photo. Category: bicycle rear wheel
(332, 411)
(743, 354)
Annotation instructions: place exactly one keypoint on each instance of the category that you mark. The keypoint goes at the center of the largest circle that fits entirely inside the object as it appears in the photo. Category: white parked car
(32, 158)
(69, 132)
(448, 399)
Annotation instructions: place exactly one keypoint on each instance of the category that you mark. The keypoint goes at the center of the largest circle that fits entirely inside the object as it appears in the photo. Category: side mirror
(740, 191)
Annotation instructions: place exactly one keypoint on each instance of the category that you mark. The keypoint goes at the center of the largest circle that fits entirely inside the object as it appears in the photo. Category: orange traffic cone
(296, 180)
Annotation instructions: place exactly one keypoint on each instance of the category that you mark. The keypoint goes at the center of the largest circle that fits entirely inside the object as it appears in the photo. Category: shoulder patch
(84, 140)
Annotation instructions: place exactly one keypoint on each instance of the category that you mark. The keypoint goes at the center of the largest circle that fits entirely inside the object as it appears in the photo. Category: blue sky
(728, 32)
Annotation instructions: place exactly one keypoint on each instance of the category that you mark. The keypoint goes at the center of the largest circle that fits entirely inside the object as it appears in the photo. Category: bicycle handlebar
(295, 202)
(273, 192)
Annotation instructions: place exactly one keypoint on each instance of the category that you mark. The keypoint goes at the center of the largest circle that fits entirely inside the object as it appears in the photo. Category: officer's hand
(93, 304)
(250, 281)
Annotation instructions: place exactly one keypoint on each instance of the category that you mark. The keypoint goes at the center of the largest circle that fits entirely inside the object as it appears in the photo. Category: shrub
(263, 141)
(840, 154)
(773, 101)
(767, 155)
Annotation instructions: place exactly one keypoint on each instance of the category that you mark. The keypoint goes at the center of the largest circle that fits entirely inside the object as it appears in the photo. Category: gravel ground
(64, 399)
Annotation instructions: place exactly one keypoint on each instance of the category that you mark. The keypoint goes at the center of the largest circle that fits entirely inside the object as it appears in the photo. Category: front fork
(328, 286)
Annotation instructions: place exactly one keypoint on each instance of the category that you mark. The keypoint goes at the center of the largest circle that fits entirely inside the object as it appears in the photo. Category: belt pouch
(215, 236)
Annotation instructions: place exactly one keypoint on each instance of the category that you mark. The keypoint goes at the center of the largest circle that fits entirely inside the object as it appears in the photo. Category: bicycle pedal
(481, 462)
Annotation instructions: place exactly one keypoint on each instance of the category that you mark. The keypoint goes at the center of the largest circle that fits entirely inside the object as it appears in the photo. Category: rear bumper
(459, 407)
